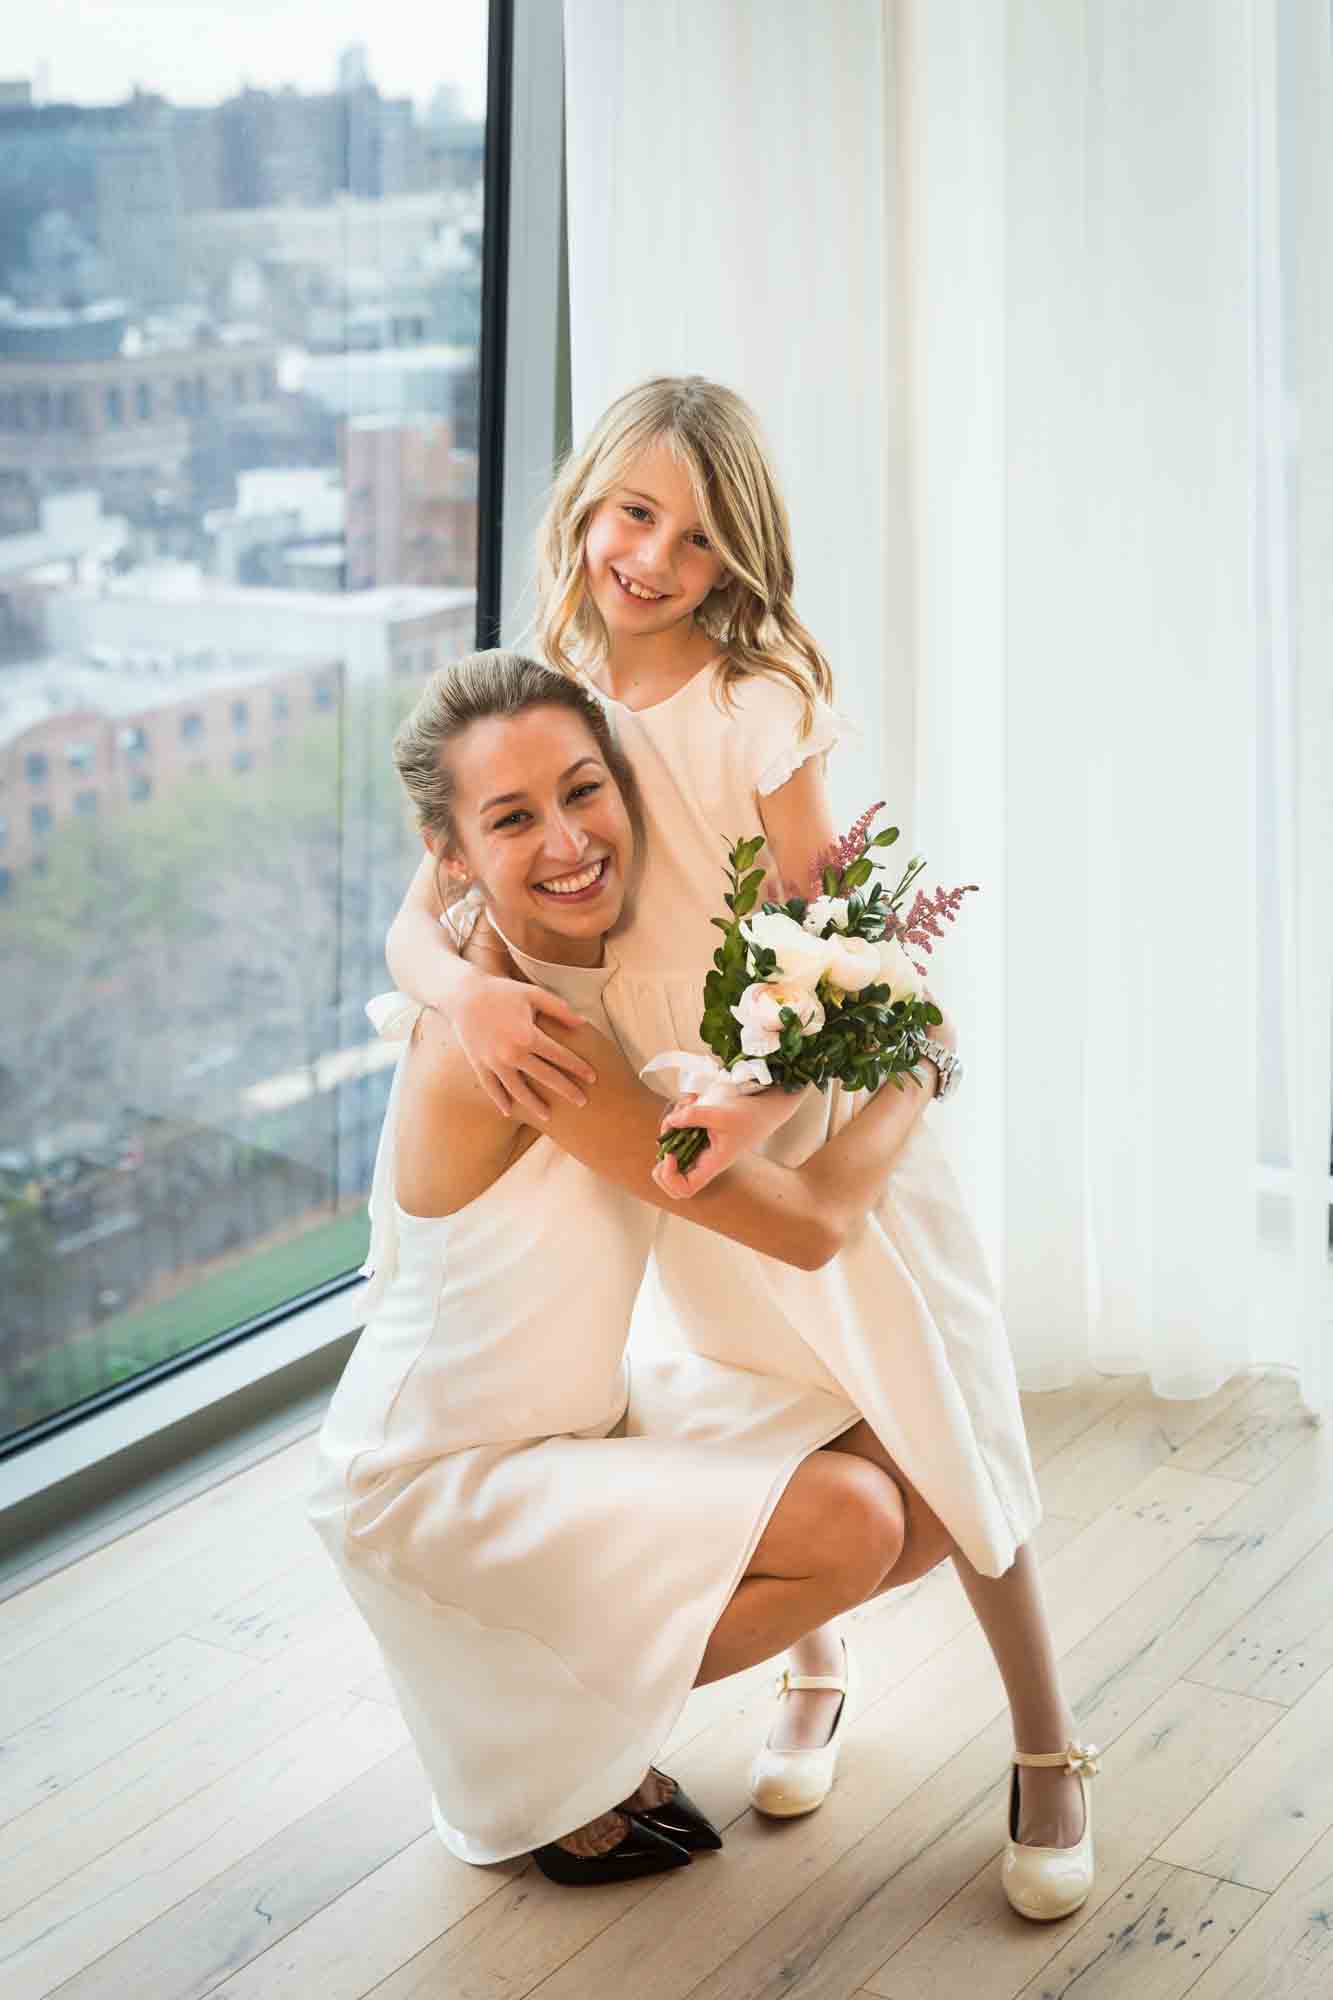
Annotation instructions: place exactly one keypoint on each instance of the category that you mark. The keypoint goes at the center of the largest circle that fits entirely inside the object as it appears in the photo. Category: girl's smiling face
(647, 557)
(542, 827)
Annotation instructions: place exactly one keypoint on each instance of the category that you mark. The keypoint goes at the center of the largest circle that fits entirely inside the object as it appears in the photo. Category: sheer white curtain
(731, 215)
(1036, 305)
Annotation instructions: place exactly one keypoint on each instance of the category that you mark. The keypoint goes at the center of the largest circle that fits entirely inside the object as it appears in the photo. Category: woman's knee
(866, 1523)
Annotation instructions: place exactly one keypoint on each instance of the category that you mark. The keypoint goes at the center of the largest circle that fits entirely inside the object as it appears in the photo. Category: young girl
(666, 587)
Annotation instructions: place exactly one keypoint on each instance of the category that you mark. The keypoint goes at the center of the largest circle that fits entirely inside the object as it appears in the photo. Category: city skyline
(77, 53)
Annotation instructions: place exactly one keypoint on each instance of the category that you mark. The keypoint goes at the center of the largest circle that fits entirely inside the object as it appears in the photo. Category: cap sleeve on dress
(773, 713)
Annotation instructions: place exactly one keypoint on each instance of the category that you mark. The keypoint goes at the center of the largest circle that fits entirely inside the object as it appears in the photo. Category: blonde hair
(479, 688)
(715, 436)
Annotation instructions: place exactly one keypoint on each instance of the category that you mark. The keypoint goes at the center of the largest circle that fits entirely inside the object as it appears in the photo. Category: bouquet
(819, 989)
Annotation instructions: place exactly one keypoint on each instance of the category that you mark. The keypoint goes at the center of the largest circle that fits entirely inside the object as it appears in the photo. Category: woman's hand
(735, 1124)
(497, 1023)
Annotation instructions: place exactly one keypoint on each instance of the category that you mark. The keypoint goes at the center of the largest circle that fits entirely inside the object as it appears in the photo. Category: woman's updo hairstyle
(483, 687)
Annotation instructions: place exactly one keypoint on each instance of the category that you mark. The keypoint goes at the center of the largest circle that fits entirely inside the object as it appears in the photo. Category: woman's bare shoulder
(452, 1141)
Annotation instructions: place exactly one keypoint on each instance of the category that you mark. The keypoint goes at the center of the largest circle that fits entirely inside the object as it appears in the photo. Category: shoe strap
(789, 1682)
(1079, 1759)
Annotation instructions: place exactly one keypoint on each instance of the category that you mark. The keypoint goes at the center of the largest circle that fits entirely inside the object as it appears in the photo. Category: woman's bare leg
(806, 1716)
(802, 1574)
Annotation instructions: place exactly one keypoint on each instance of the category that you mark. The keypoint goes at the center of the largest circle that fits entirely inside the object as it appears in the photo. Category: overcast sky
(199, 51)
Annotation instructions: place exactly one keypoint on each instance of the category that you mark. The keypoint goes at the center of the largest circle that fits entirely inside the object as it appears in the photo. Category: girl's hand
(497, 1025)
(734, 1124)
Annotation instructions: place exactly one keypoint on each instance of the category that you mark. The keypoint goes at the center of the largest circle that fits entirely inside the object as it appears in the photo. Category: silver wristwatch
(947, 1063)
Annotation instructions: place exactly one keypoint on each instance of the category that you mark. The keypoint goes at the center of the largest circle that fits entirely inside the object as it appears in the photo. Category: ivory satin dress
(904, 1323)
(540, 1537)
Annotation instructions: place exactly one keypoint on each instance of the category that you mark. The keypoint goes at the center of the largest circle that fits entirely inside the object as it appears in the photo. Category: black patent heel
(679, 1818)
(642, 1851)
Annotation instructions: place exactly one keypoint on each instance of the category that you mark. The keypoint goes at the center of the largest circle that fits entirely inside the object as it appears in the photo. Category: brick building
(411, 501)
(79, 741)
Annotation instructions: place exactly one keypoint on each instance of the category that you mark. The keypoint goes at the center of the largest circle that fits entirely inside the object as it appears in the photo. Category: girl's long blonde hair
(715, 435)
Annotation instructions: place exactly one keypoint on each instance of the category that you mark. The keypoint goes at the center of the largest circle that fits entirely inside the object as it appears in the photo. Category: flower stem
(686, 1142)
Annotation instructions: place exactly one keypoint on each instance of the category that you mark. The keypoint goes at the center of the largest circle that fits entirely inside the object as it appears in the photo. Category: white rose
(826, 910)
(855, 963)
(759, 1011)
(898, 972)
(799, 956)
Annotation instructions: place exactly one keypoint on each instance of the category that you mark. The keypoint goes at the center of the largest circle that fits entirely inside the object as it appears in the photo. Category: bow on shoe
(1082, 1761)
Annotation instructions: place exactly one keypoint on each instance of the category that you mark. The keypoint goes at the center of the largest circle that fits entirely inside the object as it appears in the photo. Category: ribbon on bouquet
(699, 1074)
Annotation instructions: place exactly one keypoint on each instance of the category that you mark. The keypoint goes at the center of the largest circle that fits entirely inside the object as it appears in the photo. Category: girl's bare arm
(498, 1022)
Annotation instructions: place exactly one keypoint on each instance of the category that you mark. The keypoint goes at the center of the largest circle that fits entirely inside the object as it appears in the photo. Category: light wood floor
(205, 1787)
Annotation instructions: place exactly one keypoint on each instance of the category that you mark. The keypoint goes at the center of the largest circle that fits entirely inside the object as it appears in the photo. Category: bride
(549, 1552)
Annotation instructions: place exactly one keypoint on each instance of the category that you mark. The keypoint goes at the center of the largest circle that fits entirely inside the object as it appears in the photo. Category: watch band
(947, 1063)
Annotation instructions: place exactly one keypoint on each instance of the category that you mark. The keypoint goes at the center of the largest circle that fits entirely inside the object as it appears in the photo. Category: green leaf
(885, 839)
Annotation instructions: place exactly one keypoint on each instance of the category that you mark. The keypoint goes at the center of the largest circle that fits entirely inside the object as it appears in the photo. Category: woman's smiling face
(647, 557)
(542, 827)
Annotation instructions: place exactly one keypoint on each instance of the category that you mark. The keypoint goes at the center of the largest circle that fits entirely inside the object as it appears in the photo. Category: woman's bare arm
(800, 1215)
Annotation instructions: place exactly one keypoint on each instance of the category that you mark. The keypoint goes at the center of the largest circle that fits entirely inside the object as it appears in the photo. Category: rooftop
(107, 683)
(183, 584)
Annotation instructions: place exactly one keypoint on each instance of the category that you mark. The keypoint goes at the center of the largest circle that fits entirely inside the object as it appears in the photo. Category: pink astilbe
(843, 852)
(923, 920)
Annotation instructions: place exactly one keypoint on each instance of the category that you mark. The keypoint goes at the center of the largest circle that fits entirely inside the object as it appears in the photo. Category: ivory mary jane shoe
(785, 1783)
(1048, 1882)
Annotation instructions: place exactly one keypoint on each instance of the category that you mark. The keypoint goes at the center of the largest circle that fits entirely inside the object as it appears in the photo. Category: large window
(240, 443)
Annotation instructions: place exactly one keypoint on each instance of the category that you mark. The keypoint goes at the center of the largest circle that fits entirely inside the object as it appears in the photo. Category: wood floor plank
(1284, 1643)
(1052, 1417)
(117, 1797)
(1151, 1942)
(1171, 1758)
(50, 1754)
(343, 1952)
(103, 1904)
(277, 1612)
(1273, 1808)
(1252, 1438)
(505, 1948)
(86, 1651)
(1285, 1952)
(204, 1939)
(1139, 1433)
(222, 1516)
